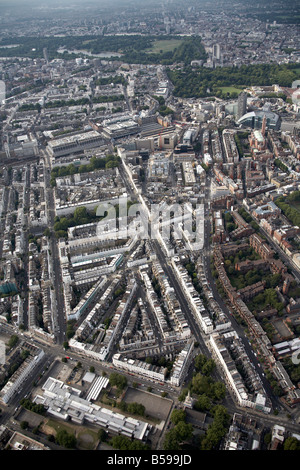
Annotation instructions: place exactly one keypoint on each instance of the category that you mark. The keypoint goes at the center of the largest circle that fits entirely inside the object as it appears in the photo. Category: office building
(255, 120)
(74, 143)
(242, 105)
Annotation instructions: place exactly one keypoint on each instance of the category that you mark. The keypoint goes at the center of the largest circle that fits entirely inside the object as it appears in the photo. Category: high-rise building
(216, 51)
(242, 104)
(2, 91)
(45, 54)
(263, 126)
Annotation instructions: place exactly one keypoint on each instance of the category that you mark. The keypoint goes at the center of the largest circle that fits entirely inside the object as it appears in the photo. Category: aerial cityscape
(149, 226)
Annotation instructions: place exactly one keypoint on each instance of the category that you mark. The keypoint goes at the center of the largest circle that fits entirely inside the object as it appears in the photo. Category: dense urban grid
(150, 226)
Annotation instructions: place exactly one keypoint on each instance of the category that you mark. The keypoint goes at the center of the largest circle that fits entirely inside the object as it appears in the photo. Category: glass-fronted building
(254, 119)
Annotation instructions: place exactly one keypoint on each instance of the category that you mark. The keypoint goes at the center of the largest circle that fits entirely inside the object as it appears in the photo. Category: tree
(177, 415)
(203, 403)
(136, 409)
(219, 390)
(268, 438)
(123, 443)
(102, 435)
(230, 226)
(29, 405)
(200, 360)
(291, 443)
(66, 439)
(208, 367)
(217, 429)
(184, 431)
(171, 441)
(80, 215)
(110, 164)
(183, 394)
(13, 341)
(117, 380)
(181, 432)
(123, 406)
(201, 385)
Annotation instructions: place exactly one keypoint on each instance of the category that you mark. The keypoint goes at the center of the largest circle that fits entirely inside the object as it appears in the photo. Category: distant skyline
(57, 3)
(25, 12)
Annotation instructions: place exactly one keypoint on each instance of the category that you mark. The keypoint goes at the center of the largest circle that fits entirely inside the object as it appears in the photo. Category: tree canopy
(203, 82)
(180, 433)
(117, 380)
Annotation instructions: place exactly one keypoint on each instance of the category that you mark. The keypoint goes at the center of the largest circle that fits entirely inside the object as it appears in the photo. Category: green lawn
(86, 438)
(297, 70)
(164, 45)
(295, 204)
(58, 425)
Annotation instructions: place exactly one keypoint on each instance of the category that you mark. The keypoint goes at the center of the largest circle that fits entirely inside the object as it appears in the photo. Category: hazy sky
(51, 3)
(40, 5)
